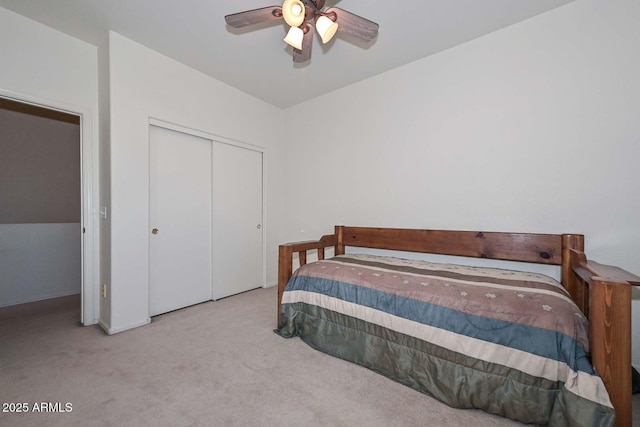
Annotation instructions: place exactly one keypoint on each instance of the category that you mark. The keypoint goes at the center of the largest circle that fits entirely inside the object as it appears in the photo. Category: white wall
(533, 128)
(45, 66)
(42, 62)
(38, 261)
(145, 84)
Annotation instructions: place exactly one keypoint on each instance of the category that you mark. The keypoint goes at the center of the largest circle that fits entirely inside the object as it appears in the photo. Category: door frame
(89, 199)
(230, 141)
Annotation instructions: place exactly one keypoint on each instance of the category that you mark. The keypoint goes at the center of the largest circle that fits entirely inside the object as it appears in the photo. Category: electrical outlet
(104, 290)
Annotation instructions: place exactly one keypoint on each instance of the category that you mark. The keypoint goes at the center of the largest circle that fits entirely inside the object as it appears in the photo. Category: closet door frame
(224, 140)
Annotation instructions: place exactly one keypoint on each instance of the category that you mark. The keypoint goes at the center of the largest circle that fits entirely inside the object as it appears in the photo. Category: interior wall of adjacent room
(43, 64)
(39, 207)
(145, 84)
(533, 128)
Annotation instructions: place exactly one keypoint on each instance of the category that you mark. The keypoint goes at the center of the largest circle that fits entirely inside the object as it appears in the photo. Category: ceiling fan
(300, 15)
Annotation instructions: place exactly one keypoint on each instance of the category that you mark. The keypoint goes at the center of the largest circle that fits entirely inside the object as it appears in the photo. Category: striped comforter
(508, 342)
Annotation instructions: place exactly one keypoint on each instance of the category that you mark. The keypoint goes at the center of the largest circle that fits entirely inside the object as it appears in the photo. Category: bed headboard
(554, 249)
(524, 247)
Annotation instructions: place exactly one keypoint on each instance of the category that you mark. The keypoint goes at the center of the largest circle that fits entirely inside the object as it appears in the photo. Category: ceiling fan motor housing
(312, 8)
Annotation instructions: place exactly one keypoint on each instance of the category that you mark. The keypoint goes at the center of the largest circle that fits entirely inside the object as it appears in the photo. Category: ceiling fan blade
(255, 16)
(307, 41)
(354, 25)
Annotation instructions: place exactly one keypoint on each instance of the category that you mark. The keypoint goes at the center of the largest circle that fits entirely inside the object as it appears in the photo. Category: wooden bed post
(339, 232)
(570, 281)
(610, 330)
(285, 270)
(609, 314)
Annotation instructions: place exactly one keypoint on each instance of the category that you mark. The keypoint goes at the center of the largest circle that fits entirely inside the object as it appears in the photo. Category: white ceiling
(257, 61)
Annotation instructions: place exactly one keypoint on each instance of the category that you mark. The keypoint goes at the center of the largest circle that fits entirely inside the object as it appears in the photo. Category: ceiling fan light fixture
(294, 37)
(301, 16)
(293, 12)
(326, 28)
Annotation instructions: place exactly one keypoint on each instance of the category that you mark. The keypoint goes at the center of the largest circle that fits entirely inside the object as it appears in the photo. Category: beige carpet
(215, 364)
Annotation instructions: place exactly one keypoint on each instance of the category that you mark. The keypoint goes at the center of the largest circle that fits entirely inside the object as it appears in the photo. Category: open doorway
(40, 204)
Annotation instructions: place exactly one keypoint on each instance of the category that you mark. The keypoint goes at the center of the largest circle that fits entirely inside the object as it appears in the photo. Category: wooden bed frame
(602, 292)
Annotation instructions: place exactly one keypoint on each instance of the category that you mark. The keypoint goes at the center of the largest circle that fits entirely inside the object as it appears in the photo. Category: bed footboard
(285, 259)
(607, 293)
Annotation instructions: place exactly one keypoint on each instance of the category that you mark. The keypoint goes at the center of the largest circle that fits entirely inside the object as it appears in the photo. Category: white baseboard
(38, 299)
(104, 326)
(110, 331)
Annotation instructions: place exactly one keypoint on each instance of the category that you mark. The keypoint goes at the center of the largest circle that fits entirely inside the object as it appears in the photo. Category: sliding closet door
(180, 220)
(237, 220)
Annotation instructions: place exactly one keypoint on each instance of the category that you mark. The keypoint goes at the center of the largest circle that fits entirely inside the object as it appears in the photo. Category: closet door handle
(154, 231)
(259, 226)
